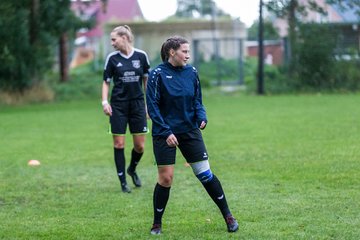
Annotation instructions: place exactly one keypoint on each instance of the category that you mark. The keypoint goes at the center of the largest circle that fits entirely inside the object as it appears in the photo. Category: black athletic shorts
(128, 112)
(191, 145)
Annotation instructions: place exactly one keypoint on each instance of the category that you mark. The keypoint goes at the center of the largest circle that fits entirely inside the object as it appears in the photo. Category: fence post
(241, 62)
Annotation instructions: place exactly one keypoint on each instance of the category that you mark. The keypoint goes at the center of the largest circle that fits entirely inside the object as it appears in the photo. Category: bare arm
(145, 79)
(104, 96)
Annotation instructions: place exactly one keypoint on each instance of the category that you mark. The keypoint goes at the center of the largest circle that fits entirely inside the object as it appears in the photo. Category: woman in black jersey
(174, 102)
(128, 69)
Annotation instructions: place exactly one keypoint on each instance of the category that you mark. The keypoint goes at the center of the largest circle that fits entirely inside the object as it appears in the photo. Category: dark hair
(171, 43)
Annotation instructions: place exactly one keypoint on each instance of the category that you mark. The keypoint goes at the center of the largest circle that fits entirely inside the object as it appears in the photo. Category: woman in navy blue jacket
(175, 107)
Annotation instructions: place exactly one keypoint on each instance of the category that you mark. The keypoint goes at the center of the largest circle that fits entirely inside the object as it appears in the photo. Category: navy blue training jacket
(174, 100)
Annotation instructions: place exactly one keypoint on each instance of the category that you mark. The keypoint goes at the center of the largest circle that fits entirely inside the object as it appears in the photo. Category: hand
(107, 109)
(172, 141)
(202, 125)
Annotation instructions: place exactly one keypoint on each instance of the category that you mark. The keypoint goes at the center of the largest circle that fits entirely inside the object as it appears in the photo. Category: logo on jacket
(136, 63)
(119, 64)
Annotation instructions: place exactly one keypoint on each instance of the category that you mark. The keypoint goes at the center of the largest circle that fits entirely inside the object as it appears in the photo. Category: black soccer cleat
(231, 223)
(135, 178)
(156, 229)
(125, 188)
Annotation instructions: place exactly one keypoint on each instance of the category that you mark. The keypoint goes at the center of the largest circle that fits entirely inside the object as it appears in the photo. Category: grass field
(289, 166)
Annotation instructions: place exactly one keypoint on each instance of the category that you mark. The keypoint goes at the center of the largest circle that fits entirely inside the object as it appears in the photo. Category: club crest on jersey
(136, 63)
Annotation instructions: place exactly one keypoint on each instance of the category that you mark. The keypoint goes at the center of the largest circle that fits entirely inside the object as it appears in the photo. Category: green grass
(289, 166)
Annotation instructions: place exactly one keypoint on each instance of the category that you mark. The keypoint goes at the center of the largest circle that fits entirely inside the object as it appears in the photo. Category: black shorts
(191, 145)
(128, 112)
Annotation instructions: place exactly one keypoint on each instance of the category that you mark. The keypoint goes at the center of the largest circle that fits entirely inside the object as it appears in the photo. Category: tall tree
(353, 5)
(198, 9)
(291, 10)
(288, 9)
(30, 32)
(270, 32)
(16, 53)
(64, 38)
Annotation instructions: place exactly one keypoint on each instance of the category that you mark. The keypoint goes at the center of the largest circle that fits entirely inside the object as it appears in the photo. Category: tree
(198, 9)
(64, 32)
(30, 33)
(347, 4)
(293, 9)
(62, 23)
(288, 9)
(316, 66)
(15, 49)
(270, 32)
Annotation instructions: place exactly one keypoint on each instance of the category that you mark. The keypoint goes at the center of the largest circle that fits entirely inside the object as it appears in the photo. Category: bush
(224, 71)
(275, 78)
(38, 93)
(315, 59)
(84, 82)
(347, 75)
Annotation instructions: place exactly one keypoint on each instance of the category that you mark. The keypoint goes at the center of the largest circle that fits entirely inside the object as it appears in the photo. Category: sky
(157, 10)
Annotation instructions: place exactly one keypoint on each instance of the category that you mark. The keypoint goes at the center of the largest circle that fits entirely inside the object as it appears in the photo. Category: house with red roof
(345, 20)
(102, 12)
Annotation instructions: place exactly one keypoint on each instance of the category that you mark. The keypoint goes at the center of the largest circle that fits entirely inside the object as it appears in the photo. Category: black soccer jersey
(127, 73)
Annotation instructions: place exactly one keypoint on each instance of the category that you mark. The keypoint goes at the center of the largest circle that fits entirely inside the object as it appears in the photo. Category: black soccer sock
(217, 194)
(135, 159)
(119, 157)
(160, 199)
